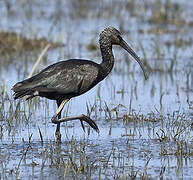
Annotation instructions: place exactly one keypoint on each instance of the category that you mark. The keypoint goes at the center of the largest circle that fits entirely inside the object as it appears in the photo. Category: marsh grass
(12, 42)
(166, 13)
(82, 158)
(16, 47)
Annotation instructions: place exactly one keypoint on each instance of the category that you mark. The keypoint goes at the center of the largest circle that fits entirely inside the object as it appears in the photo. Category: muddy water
(123, 147)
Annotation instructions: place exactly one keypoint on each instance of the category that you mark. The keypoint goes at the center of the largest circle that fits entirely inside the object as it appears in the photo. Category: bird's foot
(58, 137)
(89, 121)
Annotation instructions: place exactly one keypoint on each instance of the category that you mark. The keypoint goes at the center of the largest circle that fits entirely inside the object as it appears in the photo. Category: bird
(66, 79)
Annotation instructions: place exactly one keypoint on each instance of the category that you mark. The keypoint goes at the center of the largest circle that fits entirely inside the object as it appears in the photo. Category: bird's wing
(62, 78)
(73, 80)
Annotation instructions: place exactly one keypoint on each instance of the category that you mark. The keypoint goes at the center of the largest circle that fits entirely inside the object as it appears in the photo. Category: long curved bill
(134, 55)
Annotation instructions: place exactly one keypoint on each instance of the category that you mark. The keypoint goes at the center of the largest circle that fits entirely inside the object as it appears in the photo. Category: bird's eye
(120, 38)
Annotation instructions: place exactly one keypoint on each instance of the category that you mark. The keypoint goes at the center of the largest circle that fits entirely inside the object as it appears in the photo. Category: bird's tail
(20, 90)
(20, 94)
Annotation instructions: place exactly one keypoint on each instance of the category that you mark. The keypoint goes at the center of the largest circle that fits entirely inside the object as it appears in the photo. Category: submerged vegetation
(145, 126)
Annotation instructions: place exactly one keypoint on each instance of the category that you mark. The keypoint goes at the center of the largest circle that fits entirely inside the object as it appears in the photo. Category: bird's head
(113, 36)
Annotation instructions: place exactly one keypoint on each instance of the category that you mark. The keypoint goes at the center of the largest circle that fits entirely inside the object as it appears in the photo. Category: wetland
(145, 125)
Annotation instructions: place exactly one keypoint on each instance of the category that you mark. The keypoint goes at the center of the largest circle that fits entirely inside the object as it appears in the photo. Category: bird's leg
(57, 133)
(60, 107)
(58, 114)
(81, 118)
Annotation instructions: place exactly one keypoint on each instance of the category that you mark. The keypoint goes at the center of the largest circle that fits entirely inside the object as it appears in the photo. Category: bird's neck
(107, 56)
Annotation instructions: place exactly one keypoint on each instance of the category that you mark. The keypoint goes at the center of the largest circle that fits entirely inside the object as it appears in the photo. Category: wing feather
(75, 80)
(65, 77)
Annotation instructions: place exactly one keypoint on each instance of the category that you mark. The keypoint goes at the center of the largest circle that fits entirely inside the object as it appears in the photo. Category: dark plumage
(66, 79)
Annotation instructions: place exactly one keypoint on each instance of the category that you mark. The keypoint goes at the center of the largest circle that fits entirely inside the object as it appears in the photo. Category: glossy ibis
(66, 79)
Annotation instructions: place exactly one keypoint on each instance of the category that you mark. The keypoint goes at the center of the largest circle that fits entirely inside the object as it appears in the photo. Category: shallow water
(156, 137)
